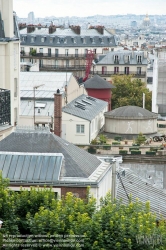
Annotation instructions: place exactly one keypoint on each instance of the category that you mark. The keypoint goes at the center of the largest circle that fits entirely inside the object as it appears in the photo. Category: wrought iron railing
(134, 73)
(54, 55)
(5, 113)
(69, 67)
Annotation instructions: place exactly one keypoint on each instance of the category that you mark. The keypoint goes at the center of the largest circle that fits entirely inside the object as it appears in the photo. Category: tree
(130, 92)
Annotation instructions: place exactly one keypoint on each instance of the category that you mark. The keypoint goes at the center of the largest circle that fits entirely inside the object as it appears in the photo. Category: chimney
(22, 26)
(100, 29)
(30, 28)
(52, 29)
(76, 29)
(58, 113)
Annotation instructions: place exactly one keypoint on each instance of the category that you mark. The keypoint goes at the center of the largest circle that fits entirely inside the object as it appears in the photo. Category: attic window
(139, 59)
(83, 40)
(58, 40)
(42, 39)
(40, 105)
(51, 39)
(116, 58)
(74, 40)
(65, 40)
(32, 39)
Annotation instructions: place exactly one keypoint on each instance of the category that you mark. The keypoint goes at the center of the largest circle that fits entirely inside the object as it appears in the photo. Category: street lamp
(34, 88)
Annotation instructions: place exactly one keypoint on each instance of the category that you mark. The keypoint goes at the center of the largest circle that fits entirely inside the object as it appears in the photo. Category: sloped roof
(50, 81)
(92, 109)
(97, 82)
(77, 162)
(138, 188)
(130, 112)
(109, 57)
(33, 167)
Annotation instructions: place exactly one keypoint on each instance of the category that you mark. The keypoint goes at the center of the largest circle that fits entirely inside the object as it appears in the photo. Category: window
(126, 71)
(56, 52)
(49, 52)
(104, 70)
(56, 63)
(116, 59)
(15, 87)
(65, 40)
(66, 52)
(139, 70)
(76, 52)
(51, 39)
(116, 70)
(32, 39)
(80, 129)
(67, 63)
(42, 39)
(23, 38)
(139, 59)
(41, 50)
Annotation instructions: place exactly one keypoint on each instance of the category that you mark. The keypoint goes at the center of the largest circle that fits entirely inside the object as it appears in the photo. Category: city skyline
(89, 8)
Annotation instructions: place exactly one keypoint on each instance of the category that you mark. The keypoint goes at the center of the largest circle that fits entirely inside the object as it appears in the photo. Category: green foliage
(33, 52)
(135, 152)
(140, 139)
(112, 225)
(102, 138)
(94, 142)
(133, 148)
(150, 152)
(107, 146)
(116, 143)
(91, 150)
(130, 92)
(117, 138)
(123, 152)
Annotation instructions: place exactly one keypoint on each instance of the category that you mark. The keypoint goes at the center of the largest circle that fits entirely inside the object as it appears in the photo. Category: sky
(83, 8)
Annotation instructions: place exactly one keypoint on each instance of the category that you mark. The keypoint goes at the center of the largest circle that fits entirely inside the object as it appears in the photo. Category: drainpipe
(113, 191)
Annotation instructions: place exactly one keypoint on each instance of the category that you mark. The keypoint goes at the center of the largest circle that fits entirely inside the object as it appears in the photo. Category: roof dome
(146, 19)
(131, 112)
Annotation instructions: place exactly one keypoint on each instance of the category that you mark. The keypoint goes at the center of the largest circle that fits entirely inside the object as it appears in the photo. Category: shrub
(94, 142)
(140, 139)
(134, 148)
(102, 139)
(150, 152)
(117, 138)
(107, 146)
(135, 152)
(123, 152)
(116, 143)
(92, 150)
(153, 149)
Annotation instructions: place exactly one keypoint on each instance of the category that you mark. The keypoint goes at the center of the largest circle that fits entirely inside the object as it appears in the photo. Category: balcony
(62, 68)
(5, 113)
(51, 55)
(111, 73)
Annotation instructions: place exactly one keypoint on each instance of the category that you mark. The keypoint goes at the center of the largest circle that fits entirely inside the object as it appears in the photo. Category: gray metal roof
(77, 162)
(108, 39)
(130, 112)
(138, 188)
(109, 58)
(31, 167)
(27, 108)
(92, 109)
(97, 82)
(51, 82)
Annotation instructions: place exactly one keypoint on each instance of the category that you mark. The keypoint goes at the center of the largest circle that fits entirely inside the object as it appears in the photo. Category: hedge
(116, 143)
(123, 152)
(134, 148)
(135, 152)
(117, 138)
(150, 153)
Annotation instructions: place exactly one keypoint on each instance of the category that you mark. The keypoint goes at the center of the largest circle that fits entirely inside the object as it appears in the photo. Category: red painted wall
(102, 94)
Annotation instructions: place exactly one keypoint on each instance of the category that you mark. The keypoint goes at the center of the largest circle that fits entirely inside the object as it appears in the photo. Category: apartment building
(123, 62)
(63, 49)
(9, 68)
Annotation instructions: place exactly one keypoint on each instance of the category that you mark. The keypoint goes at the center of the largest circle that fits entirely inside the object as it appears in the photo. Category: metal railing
(54, 55)
(56, 68)
(108, 73)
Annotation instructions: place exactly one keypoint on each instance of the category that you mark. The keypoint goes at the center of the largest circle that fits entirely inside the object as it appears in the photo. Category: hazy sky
(59, 8)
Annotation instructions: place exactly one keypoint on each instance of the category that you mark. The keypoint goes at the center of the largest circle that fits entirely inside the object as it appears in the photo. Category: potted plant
(126, 141)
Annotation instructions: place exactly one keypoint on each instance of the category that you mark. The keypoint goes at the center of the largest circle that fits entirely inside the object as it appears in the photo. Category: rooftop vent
(91, 98)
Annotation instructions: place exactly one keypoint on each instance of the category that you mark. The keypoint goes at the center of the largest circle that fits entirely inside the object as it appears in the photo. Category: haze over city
(43, 8)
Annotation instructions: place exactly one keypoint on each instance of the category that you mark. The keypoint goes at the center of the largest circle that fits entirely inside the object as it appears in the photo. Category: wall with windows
(75, 129)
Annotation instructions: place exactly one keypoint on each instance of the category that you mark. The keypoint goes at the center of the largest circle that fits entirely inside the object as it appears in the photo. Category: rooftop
(97, 82)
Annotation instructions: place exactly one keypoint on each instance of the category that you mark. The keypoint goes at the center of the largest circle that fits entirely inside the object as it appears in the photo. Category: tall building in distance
(9, 68)
(31, 18)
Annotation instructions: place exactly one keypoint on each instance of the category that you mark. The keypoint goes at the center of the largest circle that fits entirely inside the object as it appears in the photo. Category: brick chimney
(58, 113)
(30, 28)
(100, 29)
(52, 29)
(22, 26)
(76, 29)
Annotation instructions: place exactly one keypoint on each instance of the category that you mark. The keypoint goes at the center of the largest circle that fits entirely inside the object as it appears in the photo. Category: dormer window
(42, 39)
(51, 39)
(58, 40)
(74, 40)
(101, 40)
(65, 40)
(116, 59)
(139, 59)
(32, 39)
(83, 39)
(126, 58)
(92, 39)
(23, 38)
